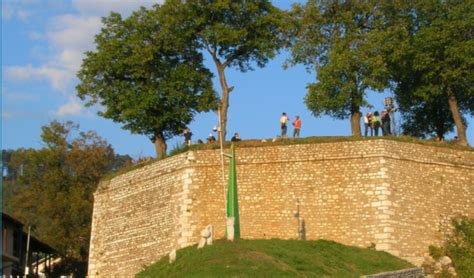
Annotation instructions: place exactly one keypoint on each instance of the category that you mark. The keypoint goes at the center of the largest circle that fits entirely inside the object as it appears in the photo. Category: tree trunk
(356, 99)
(355, 123)
(453, 106)
(160, 145)
(224, 105)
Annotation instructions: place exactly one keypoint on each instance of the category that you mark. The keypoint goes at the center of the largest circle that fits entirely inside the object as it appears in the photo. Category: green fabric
(232, 198)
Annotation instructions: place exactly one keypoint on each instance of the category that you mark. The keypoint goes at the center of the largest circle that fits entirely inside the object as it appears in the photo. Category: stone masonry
(397, 196)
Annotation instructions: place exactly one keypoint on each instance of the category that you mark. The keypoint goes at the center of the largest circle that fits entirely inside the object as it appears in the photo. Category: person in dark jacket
(235, 138)
(386, 124)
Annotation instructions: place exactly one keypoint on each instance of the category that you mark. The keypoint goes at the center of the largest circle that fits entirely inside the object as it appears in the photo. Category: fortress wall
(397, 196)
(312, 191)
(135, 217)
(429, 186)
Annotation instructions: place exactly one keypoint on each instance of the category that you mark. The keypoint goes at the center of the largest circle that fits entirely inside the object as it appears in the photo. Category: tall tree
(339, 41)
(235, 33)
(433, 41)
(55, 187)
(425, 119)
(146, 78)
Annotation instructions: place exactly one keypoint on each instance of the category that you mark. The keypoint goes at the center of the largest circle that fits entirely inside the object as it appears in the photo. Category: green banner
(232, 198)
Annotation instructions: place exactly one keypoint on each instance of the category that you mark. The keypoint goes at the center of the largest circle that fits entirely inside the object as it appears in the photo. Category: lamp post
(221, 142)
(231, 207)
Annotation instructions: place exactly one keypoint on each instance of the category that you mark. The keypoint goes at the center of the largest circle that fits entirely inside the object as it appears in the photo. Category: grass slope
(275, 258)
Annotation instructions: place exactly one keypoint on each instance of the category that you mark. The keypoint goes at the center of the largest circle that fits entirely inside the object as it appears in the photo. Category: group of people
(296, 126)
(236, 138)
(375, 122)
(372, 122)
(187, 134)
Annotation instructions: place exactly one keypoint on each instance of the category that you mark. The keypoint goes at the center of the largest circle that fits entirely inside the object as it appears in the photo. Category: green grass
(275, 258)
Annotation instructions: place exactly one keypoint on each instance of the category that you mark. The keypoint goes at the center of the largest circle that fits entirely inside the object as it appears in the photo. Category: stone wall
(397, 196)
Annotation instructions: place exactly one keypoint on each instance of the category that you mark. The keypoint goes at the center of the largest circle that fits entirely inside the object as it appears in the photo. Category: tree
(152, 82)
(426, 119)
(235, 33)
(339, 41)
(54, 190)
(433, 42)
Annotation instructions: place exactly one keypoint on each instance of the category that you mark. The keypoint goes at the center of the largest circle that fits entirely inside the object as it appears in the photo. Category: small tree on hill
(54, 188)
(235, 33)
(339, 41)
(429, 48)
(149, 80)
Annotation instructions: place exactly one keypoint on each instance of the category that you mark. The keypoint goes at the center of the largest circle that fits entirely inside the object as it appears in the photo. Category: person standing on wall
(210, 139)
(296, 127)
(284, 118)
(235, 138)
(368, 124)
(187, 136)
(385, 124)
(376, 122)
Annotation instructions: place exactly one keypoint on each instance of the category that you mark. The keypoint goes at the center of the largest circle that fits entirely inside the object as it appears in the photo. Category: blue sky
(43, 42)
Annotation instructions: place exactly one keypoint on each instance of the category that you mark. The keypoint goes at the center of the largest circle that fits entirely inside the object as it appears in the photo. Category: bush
(437, 252)
(460, 246)
(178, 148)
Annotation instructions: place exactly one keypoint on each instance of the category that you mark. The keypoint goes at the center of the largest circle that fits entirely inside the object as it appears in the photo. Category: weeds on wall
(459, 247)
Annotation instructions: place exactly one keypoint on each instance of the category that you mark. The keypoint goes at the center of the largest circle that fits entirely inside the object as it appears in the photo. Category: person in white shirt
(284, 118)
(368, 124)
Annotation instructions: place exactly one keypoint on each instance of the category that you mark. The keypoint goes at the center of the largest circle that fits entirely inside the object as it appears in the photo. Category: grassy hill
(275, 258)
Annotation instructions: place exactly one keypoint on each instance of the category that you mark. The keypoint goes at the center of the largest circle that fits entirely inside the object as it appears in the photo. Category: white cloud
(7, 12)
(23, 14)
(71, 36)
(35, 36)
(17, 96)
(72, 108)
(19, 9)
(58, 78)
(68, 37)
(104, 7)
(7, 114)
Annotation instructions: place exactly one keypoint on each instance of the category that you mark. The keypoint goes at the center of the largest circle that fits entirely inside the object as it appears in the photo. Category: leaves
(429, 48)
(51, 188)
(145, 77)
(338, 40)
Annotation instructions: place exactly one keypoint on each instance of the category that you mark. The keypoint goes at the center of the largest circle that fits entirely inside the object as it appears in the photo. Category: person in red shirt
(296, 127)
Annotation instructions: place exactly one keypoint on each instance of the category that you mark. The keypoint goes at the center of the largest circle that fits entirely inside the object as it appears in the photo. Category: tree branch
(212, 51)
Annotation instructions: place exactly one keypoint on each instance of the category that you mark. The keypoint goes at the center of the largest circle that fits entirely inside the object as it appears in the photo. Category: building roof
(8, 219)
(35, 244)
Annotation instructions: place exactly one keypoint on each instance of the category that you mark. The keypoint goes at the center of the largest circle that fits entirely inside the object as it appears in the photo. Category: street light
(219, 130)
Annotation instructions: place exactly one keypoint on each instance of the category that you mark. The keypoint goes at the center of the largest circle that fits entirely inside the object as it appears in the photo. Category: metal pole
(222, 163)
(27, 269)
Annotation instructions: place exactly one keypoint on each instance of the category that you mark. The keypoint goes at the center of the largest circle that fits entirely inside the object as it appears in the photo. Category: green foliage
(429, 47)
(275, 258)
(235, 33)
(150, 80)
(179, 148)
(425, 119)
(436, 252)
(239, 33)
(339, 40)
(51, 188)
(460, 246)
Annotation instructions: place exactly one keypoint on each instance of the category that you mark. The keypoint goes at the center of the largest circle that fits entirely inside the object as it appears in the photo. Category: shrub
(436, 252)
(460, 246)
(178, 148)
